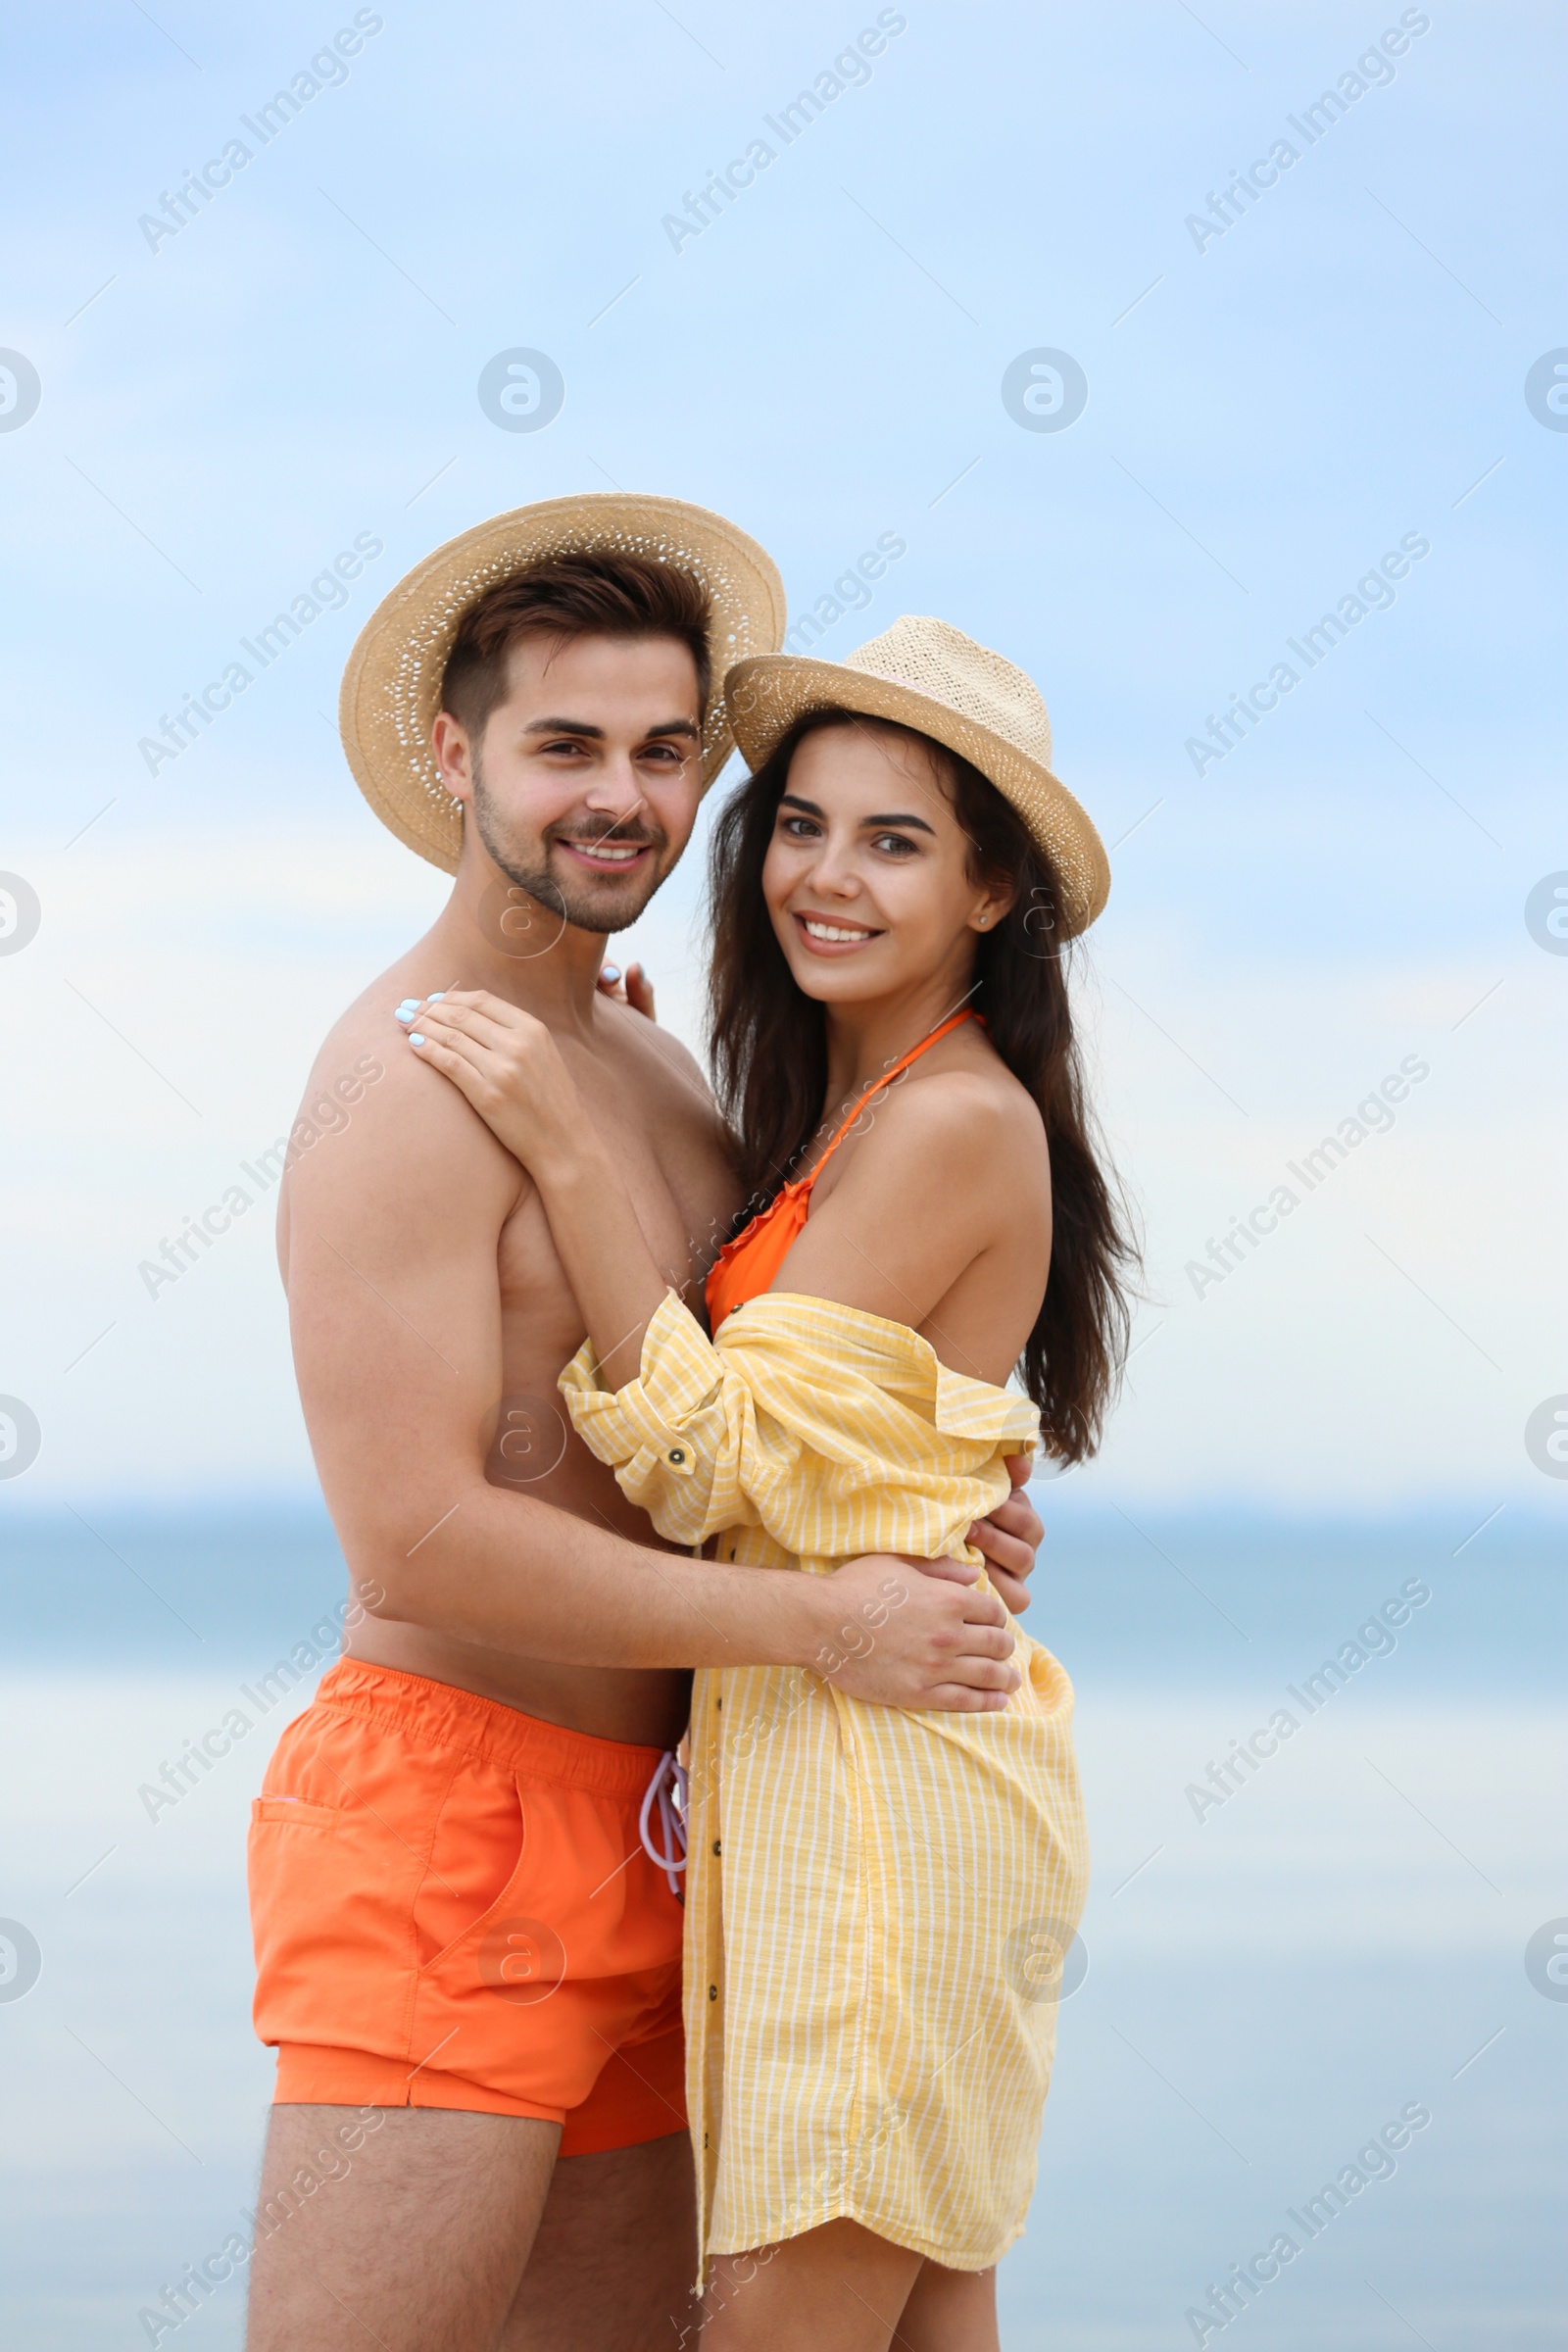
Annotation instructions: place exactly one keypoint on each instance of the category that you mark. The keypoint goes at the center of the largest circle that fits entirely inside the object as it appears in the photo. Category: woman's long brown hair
(769, 1044)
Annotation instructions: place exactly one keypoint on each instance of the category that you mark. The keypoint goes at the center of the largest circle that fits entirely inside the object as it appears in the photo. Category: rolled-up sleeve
(835, 1430)
(675, 1436)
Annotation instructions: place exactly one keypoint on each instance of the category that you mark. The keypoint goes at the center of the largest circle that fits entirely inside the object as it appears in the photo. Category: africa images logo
(19, 390)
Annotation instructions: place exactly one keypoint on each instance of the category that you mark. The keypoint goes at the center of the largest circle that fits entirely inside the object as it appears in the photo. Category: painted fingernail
(415, 1039)
(609, 972)
(436, 999)
(407, 1010)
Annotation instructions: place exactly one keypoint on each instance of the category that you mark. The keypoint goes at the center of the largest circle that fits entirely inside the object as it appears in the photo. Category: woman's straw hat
(927, 675)
(392, 685)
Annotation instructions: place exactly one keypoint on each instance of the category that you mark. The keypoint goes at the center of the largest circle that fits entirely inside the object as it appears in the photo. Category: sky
(991, 300)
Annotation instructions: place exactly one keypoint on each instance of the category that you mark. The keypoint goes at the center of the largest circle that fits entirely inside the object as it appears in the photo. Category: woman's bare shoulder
(948, 1171)
(969, 1133)
(970, 1101)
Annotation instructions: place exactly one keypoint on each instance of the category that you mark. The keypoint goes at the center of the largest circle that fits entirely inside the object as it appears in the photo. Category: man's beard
(589, 902)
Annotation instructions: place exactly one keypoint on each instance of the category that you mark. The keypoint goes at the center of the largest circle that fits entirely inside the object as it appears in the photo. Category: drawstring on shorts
(667, 1789)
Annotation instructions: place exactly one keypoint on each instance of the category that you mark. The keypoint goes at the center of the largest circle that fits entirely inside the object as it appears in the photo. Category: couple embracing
(671, 1448)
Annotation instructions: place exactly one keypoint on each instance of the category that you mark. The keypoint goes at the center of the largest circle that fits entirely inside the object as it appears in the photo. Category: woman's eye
(796, 828)
(896, 845)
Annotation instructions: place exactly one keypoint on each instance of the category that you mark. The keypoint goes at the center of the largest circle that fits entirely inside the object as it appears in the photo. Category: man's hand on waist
(904, 1636)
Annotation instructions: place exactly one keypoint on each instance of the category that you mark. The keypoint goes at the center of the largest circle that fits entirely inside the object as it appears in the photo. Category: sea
(1310, 2085)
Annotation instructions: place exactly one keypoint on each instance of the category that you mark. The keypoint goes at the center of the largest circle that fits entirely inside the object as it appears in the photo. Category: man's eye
(568, 743)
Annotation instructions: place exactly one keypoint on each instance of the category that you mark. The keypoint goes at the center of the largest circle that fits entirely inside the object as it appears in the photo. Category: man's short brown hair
(575, 596)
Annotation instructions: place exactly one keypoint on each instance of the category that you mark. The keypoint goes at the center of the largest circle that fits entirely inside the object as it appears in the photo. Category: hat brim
(767, 694)
(391, 688)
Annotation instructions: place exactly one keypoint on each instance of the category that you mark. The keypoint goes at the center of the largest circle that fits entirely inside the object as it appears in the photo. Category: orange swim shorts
(453, 1909)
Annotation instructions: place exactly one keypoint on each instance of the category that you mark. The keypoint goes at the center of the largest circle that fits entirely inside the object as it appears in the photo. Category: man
(466, 1955)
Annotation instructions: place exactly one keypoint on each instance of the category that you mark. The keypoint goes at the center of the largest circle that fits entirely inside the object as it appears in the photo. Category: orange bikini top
(746, 1266)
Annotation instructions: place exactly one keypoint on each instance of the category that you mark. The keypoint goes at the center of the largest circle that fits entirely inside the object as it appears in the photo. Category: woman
(879, 1903)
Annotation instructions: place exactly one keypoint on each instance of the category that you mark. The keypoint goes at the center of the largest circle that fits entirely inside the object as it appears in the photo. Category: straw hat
(928, 676)
(392, 685)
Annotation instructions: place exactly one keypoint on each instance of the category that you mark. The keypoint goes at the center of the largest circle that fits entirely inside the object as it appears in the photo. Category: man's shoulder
(374, 1117)
(659, 1057)
(357, 1051)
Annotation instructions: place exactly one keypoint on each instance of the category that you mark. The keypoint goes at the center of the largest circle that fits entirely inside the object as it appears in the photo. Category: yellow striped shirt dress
(878, 1902)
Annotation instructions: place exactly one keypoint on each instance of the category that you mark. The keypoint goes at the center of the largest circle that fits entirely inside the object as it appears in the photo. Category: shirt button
(677, 1453)
(717, 1847)
(712, 1992)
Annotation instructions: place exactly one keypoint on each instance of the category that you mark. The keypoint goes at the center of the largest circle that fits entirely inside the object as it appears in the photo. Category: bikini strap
(899, 1067)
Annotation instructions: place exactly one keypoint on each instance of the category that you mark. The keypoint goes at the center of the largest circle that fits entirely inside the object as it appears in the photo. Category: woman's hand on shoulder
(507, 1065)
(633, 989)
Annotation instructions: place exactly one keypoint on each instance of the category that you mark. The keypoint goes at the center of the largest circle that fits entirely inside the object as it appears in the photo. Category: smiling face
(583, 784)
(868, 877)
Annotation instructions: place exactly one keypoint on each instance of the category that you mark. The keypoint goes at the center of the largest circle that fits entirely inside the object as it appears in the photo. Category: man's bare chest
(683, 1190)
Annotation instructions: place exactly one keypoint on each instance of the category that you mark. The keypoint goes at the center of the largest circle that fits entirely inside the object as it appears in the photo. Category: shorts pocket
(296, 1870)
(293, 1813)
(474, 1861)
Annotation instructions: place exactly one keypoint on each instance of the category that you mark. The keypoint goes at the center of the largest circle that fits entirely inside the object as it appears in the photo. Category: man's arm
(395, 1306)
